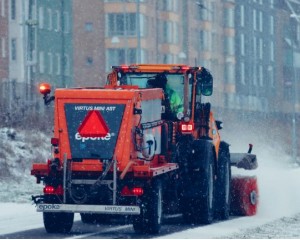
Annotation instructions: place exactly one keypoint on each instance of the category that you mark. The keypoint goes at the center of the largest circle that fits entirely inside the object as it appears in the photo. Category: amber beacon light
(45, 88)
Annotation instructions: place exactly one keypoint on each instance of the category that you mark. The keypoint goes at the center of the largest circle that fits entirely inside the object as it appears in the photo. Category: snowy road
(278, 215)
(21, 221)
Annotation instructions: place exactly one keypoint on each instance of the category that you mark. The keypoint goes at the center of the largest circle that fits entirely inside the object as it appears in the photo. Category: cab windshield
(174, 82)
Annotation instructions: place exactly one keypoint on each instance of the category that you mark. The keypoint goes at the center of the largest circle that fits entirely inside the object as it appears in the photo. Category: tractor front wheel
(222, 210)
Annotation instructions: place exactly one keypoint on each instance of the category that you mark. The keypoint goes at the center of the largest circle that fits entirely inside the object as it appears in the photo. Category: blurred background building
(250, 46)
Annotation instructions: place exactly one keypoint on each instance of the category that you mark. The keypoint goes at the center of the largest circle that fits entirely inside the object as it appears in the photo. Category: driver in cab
(172, 96)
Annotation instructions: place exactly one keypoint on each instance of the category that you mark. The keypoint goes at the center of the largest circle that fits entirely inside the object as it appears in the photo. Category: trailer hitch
(38, 199)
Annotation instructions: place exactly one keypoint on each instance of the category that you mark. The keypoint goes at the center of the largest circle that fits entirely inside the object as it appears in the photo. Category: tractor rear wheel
(58, 222)
(222, 194)
(150, 219)
(199, 207)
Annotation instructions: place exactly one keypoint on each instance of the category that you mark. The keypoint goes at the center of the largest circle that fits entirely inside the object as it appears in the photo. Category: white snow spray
(278, 178)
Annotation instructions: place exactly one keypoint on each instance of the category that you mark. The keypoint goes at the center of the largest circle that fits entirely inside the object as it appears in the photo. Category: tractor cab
(181, 85)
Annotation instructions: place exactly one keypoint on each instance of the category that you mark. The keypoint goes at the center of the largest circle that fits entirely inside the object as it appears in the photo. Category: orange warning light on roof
(93, 125)
(45, 88)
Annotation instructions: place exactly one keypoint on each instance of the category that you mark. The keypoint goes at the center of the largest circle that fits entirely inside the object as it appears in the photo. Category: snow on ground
(18, 150)
(17, 217)
(278, 178)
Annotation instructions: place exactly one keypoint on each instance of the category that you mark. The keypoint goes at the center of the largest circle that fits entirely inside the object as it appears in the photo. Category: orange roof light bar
(153, 67)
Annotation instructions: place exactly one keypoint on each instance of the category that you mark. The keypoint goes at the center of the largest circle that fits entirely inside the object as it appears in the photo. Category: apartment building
(162, 31)
(54, 42)
(249, 46)
(88, 43)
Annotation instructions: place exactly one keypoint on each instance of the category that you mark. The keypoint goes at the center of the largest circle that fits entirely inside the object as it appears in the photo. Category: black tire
(150, 219)
(223, 188)
(199, 208)
(58, 222)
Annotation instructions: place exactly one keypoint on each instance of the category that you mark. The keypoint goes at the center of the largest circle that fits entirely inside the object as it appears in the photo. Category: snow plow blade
(106, 209)
(246, 161)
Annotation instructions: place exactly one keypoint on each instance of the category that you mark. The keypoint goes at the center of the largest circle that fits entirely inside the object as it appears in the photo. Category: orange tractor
(144, 146)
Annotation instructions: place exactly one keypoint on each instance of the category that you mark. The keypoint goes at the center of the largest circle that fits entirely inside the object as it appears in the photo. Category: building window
(205, 10)
(204, 40)
(143, 25)
(41, 17)
(229, 73)
(88, 27)
(261, 75)
(271, 76)
(271, 51)
(13, 49)
(242, 73)
(254, 47)
(254, 20)
(167, 58)
(41, 62)
(49, 12)
(229, 17)
(13, 9)
(114, 57)
(3, 8)
(131, 55)
(117, 56)
(58, 61)
(254, 74)
(57, 18)
(166, 35)
(50, 62)
(3, 47)
(261, 21)
(271, 25)
(261, 47)
(242, 44)
(120, 24)
(298, 32)
(229, 46)
(167, 5)
(242, 15)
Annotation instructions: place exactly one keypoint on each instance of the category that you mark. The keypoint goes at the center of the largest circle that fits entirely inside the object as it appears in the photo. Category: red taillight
(54, 141)
(187, 127)
(52, 190)
(136, 191)
(49, 190)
